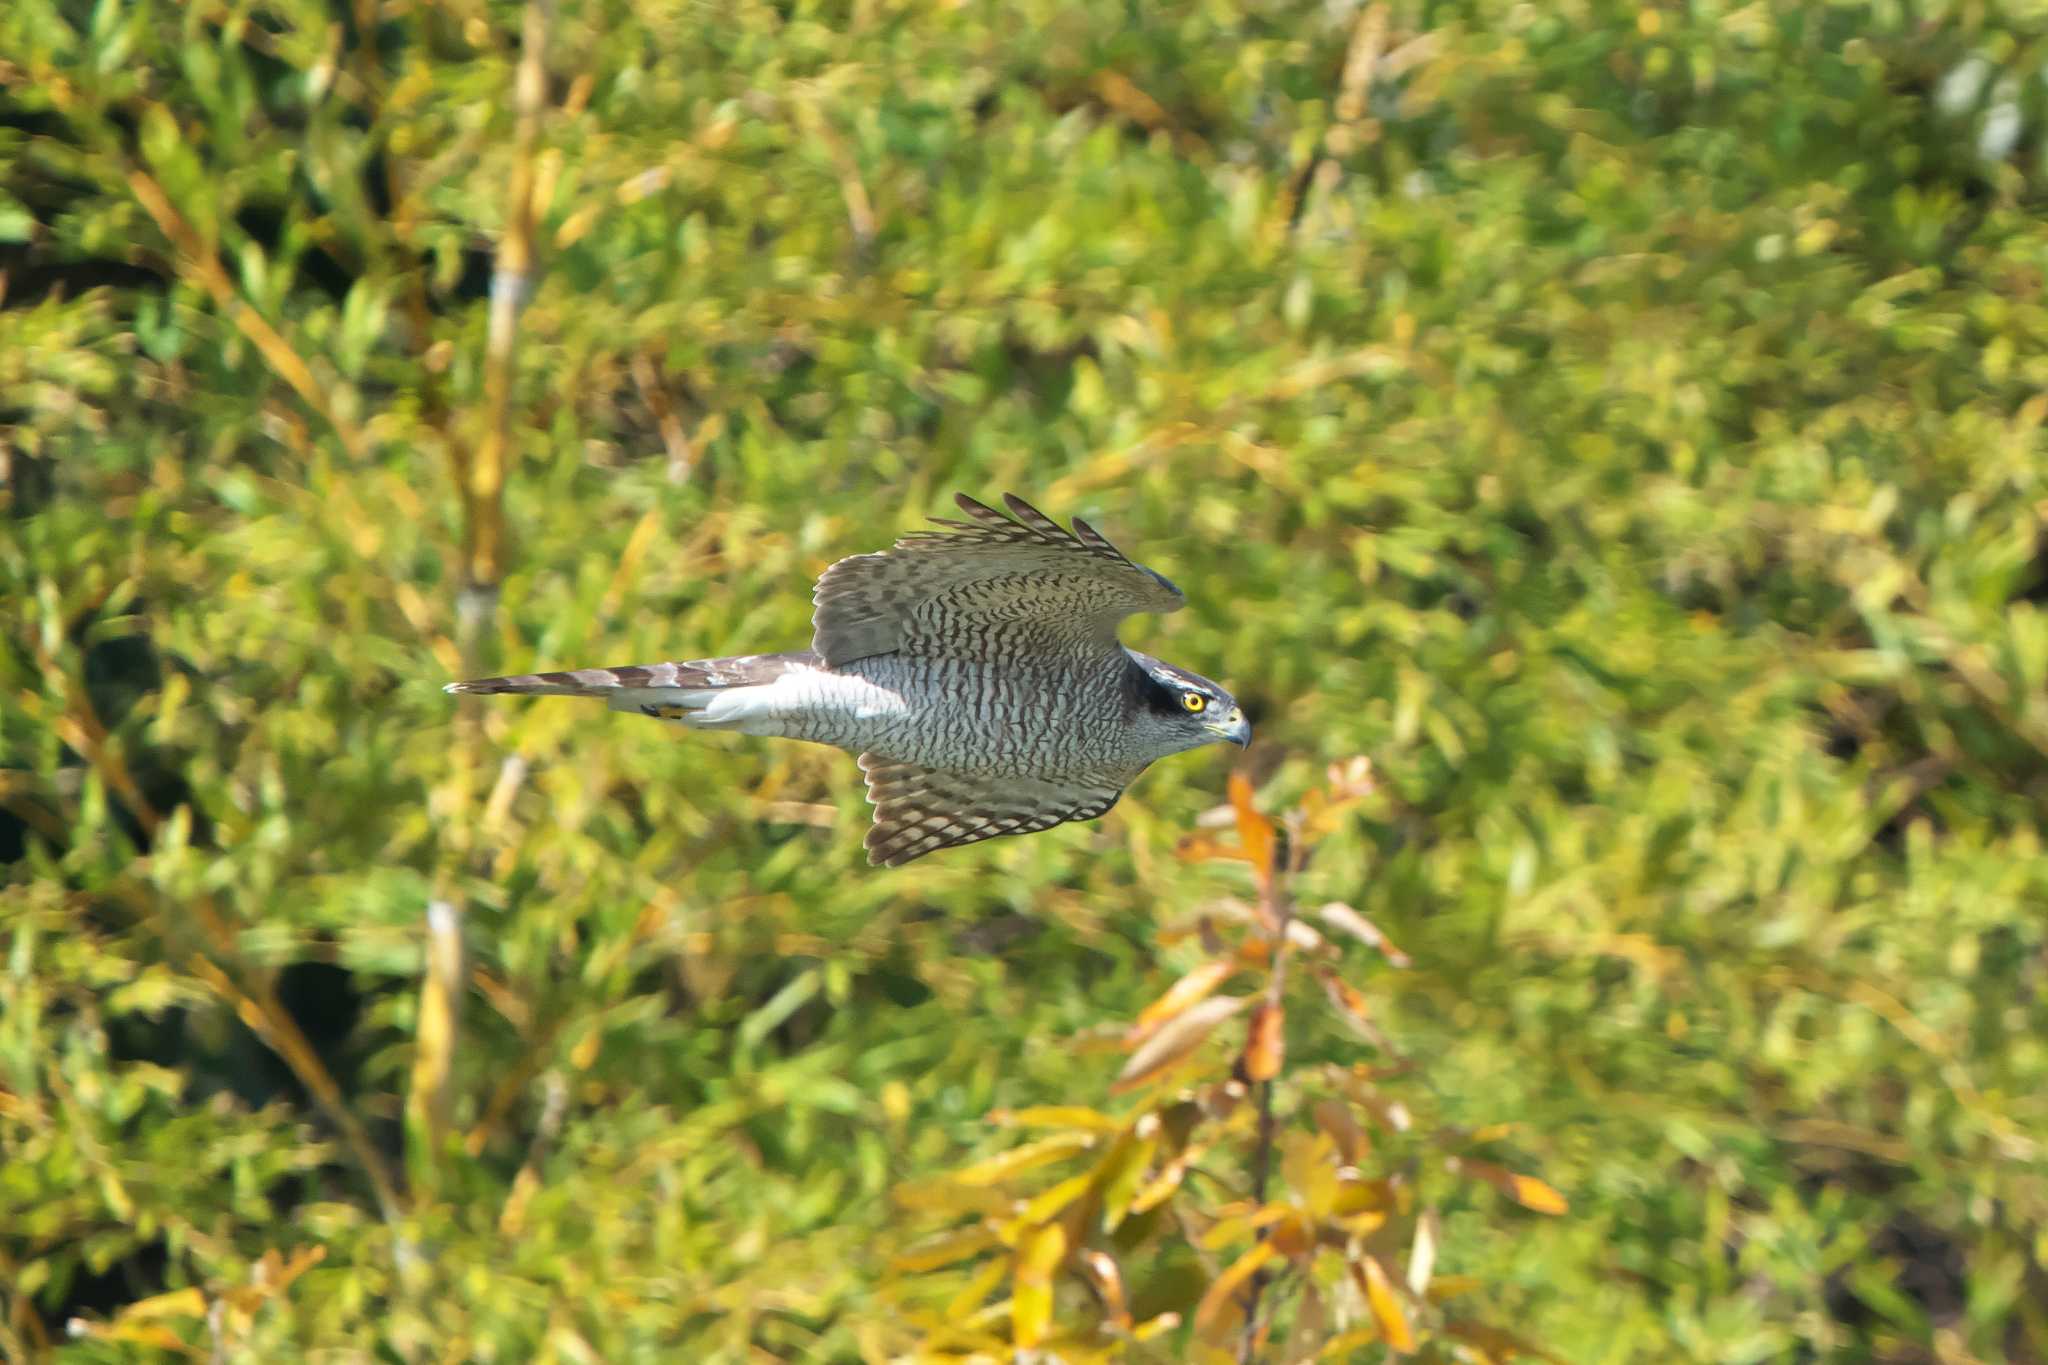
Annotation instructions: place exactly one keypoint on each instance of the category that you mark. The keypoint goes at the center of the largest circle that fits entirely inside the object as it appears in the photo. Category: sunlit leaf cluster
(1285, 1198)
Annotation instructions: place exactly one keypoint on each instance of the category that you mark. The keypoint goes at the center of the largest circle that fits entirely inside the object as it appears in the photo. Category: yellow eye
(1194, 702)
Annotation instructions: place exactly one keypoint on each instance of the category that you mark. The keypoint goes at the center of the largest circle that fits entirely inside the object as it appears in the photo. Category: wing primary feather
(1035, 519)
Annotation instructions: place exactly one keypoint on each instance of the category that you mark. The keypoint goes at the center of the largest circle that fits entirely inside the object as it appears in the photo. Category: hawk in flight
(974, 670)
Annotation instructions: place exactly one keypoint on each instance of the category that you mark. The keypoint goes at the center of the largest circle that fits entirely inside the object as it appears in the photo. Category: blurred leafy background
(1623, 422)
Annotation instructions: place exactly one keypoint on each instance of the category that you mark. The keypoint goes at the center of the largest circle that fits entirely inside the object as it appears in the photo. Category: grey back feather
(982, 585)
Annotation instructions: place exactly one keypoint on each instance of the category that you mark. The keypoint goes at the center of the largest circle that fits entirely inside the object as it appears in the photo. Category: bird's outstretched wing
(992, 586)
(919, 810)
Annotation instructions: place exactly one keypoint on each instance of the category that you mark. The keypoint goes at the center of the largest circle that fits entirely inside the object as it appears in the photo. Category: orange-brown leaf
(1196, 985)
(1497, 1343)
(1109, 1282)
(1292, 1236)
(1525, 1190)
(1334, 1118)
(1206, 848)
(1322, 809)
(1265, 1044)
(1352, 1008)
(1384, 1306)
(1228, 1283)
(1175, 1040)
(1254, 831)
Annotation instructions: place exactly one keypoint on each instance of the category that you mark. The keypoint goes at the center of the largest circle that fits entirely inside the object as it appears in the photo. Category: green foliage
(1621, 422)
(1258, 1260)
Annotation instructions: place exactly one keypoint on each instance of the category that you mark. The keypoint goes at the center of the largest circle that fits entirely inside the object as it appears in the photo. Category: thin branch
(1277, 906)
(430, 1100)
(1361, 61)
(257, 1004)
(200, 265)
(511, 283)
(267, 1018)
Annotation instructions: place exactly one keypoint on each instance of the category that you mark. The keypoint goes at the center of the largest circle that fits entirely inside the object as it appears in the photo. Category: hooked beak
(1233, 727)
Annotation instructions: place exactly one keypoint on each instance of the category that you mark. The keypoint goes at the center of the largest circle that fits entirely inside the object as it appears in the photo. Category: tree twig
(1277, 905)
(250, 991)
(483, 478)
(200, 265)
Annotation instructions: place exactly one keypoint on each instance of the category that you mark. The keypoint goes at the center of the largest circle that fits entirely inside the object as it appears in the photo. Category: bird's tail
(672, 691)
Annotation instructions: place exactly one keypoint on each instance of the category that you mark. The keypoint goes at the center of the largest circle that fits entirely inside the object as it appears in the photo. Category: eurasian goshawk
(974, 670)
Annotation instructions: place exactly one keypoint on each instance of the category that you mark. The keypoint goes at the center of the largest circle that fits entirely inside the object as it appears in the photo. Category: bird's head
(1179, 710)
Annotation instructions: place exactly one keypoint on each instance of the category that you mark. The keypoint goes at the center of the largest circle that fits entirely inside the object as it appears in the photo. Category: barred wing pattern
(984, 587)
(920, 810)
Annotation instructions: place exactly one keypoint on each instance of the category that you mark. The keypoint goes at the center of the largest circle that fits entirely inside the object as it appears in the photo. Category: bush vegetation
(1621, 423)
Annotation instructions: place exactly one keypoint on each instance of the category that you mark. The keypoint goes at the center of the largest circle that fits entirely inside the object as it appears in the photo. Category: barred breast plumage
(974, 670)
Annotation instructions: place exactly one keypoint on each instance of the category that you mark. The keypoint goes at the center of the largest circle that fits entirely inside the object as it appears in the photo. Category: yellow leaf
(1451, 1286)
(1228, 1230)
(1175, 1040)
(1228, 1283)
(1345, 1346)
(1265, 1042)
(1355, 1195)
(954, 1246)
(1153, 1327)
(1123, 1167)
(1525, 1190)
(1038, 1255)
(968, 1300)
(179, 1303)
(1059, 1116)
(1046, 1205)
(1195, 986)
(1383, 1305)
(1017, 1160)
(942, 1195)
(1168, 1180)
